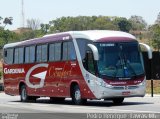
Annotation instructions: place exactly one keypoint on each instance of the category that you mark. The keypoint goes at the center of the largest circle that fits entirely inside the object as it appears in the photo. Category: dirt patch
(1, 64)
(156, 86)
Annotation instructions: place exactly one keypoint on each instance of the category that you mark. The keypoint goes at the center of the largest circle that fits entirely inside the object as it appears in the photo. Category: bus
(93, 64)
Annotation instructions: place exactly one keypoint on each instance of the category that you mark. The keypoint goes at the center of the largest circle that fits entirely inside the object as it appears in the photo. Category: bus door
(90, 66)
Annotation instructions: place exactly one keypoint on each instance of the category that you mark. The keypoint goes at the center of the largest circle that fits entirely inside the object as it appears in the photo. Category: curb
(154, 95)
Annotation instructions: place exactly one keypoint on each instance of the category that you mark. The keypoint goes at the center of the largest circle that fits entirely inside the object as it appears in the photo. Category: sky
(47, 10)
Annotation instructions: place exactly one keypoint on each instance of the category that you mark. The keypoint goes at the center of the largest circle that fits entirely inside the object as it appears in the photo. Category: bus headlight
(104, 84)
(108, 86)
(143, 83)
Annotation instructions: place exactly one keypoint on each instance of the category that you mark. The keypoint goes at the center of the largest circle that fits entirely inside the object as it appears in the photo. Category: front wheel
(117, 100)
(76, 96)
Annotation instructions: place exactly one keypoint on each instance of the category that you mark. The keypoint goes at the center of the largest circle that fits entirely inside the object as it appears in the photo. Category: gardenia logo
(14, 71)
(41, 75)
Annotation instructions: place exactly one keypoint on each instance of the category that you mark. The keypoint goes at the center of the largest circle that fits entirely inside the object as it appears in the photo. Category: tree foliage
(82, 23)
(135, 24)
(5, 35)
(158, 19)
(123, 24)
(138, 23)
(6, 21)
(155, 36)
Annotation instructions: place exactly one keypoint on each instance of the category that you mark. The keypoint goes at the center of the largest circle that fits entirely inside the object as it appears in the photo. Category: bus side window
(21, 55)
(65, 51)
(32, 54)
(26, 60)
(16, 52)
(8, 56)
(57, 52)
(51, 52)
(71, 51)
(39, 53)
(29, 54)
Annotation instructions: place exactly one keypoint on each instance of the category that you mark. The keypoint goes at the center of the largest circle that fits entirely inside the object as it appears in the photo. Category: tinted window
(27, 55)
(82, 45)
(68, 51)
(51, 52)
(39, 53)
(16, 56)
(65, 51)
(71, 51)
(32, 54)
(44, 53)
(57, 51)
(90, 63)
(8, 56)
(21, 55)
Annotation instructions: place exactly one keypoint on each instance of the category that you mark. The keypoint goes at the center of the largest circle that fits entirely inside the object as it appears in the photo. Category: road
(12, 104)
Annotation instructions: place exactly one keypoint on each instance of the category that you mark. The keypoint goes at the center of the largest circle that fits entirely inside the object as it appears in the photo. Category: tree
(82, 23)
(158, 19)
(8, 20)
(138, 23)
(155, 36)
(5, 35)
(104, 23)
(5, 22)
(34, 24)
(123, 24)
(0, 19)
(44, 28)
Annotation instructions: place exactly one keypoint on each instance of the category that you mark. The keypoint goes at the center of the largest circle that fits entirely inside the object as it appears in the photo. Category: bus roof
(90, 34)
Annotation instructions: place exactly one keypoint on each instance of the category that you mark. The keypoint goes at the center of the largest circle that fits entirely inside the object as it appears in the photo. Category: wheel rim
(23, 94)
(77, 95)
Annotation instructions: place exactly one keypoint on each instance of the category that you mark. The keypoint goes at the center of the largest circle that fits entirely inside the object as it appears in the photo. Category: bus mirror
(95, 51)
(148, 48)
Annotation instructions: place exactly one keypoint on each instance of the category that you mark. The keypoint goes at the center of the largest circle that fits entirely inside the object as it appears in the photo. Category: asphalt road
(43, 108)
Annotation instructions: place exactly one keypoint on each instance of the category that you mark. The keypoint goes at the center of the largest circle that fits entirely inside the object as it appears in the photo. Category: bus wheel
(23, 94)
(76, 96)
(117, 100)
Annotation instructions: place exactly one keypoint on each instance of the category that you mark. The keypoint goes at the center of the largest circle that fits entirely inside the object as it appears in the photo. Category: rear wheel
(76, 96)
(23, 94)
(117, 100)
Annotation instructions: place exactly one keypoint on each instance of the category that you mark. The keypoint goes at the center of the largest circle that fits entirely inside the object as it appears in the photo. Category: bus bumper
(122, 91)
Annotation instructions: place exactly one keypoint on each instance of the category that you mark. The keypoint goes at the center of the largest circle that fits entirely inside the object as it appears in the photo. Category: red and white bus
(96, 64)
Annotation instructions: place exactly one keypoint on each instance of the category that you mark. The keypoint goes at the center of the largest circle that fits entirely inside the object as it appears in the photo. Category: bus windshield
(119, 60)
